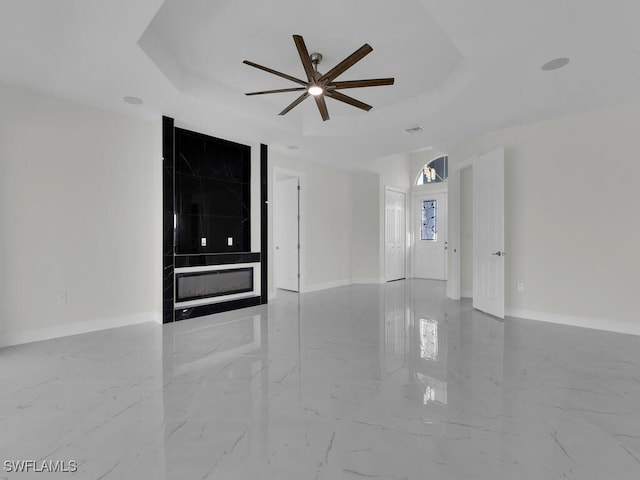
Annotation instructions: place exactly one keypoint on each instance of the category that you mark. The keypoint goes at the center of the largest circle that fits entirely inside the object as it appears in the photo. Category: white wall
(80, 209)
(365, 247)
(326, 207)
(571, 214)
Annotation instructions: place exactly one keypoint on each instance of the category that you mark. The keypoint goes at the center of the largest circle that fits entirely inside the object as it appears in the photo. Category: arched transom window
(437, 170)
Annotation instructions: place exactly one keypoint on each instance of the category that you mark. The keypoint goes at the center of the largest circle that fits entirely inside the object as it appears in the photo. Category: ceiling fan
(320, 85)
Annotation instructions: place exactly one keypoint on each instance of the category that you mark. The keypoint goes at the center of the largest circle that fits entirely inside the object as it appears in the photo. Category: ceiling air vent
(414, 129)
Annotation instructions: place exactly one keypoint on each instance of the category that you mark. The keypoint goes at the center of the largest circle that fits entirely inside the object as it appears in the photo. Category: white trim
(395, 189)
(75, 328)
(466, 294)
(441, 187)
(368, 280)
(453, 235)
(576, 321)
(324, 286)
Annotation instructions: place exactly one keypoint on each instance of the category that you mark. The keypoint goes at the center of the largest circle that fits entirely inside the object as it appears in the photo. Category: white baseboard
(323, 286)
(466, 294)
(368, 281)
(576, 321)
(75, 328)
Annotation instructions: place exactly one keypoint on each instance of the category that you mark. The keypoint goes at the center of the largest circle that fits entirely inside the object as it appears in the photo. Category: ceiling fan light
(315, 90)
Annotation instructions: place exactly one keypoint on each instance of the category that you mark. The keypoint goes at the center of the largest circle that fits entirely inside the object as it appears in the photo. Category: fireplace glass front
(213, 283)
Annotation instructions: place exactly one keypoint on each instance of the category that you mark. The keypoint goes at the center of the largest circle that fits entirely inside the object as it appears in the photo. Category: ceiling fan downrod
(316, 58)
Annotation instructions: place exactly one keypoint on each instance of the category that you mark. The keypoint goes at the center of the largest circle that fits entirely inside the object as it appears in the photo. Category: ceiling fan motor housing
(316, 58)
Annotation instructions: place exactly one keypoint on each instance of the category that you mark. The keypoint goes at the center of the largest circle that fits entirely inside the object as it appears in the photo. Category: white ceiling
(462, 67)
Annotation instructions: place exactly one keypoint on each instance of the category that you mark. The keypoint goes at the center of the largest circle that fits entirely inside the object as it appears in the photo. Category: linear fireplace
(198, 285)
(215, 283)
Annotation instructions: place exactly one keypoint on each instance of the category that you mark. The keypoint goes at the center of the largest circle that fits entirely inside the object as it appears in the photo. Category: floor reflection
(387, 381)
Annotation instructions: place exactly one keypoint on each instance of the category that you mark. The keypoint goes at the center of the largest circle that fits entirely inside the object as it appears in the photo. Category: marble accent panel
(215, 259)
(264, 220)
(212, 194)
(167, 219)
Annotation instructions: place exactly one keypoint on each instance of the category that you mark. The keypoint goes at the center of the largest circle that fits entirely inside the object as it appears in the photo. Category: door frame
(453, 283)
(278, 172)
(384, 230)
(419, 191)
(454, 196)
(454, 205)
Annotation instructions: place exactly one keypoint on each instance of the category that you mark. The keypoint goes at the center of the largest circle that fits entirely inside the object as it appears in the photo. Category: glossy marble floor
(367, 381)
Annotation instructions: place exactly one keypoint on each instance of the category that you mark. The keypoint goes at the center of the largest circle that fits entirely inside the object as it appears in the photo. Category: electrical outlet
(62, 298)
(230, 241)
(520, 287)
(203, 242)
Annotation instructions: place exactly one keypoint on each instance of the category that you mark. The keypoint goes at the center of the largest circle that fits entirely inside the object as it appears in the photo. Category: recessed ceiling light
(555, 64)
(293, 147)
(133, 100)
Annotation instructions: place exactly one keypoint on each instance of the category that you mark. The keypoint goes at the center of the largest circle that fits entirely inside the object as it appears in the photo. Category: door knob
(499, 254)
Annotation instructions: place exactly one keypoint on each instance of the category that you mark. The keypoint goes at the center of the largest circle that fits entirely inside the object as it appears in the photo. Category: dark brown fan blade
(322, 106)
(374, 82)
(294, 89)
(347, 62)
(280, 74)
(294, 103)
(304, 57)
(344, 98)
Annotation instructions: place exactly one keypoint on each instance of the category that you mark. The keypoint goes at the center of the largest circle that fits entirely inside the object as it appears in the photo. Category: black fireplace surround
(207, 221)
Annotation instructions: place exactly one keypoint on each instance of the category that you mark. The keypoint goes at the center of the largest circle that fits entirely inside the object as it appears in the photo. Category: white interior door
(430, 257)
(395, 234)
(488, 233)
(286, 233)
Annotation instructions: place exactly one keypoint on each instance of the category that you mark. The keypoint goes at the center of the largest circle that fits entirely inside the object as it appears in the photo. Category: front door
(488, 233)
(430, 258)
